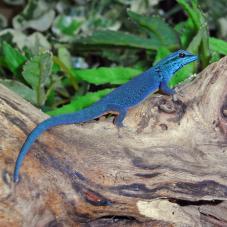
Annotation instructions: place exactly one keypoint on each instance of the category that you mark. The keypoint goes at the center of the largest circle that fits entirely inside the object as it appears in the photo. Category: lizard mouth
(194, 58)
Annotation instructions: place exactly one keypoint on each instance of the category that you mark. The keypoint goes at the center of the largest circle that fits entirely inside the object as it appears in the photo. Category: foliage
(64, 57)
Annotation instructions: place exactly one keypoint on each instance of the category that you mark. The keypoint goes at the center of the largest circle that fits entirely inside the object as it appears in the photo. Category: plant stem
(67, 72)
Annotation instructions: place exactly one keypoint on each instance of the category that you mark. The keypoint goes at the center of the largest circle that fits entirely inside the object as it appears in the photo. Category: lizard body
(119, 100)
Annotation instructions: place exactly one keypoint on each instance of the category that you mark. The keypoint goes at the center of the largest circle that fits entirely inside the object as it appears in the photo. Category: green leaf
(193, 11)
(19, 88)
(117, 38)
(65, 56)
(218, 45)
(104, 75)
(12, 58)
(161, 53)
(214, 57)
(37, 43)
(36, 72)
(38, 14)
(186, 32)
(66, 25)
(66, 70)
(3, 21)
(158, 29)
(14, 2)
(80, 102)
(199, 22)
(196, 42)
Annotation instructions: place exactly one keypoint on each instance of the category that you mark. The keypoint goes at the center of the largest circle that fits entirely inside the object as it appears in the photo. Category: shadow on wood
(168, 166)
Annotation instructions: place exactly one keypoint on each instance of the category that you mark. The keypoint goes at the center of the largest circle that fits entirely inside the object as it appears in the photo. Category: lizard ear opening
(181, 55)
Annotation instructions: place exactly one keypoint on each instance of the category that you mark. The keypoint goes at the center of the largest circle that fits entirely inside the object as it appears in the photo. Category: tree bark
(166, 167)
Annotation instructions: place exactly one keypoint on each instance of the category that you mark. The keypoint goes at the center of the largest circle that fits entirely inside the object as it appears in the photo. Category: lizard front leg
(166, 89)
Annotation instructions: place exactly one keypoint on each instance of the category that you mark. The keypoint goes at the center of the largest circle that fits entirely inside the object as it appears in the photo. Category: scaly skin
(119, 100)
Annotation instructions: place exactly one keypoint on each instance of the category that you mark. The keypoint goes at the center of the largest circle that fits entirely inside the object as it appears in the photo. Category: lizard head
(176, 60)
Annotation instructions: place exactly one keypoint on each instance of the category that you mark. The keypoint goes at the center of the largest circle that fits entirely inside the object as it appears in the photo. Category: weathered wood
(168, 166)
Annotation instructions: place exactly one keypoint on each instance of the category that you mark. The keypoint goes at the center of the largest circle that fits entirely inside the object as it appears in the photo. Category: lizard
(118, 101)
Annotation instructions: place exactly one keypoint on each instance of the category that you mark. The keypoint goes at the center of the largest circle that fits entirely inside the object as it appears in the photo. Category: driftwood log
(166, 167)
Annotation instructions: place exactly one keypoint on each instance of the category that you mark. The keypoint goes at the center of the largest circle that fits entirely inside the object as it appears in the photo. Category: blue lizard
(118, 101)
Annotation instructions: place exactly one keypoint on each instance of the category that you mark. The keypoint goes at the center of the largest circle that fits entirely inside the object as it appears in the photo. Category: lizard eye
(181, 55)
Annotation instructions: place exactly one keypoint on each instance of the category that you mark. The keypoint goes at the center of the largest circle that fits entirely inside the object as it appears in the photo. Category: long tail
(87, 114)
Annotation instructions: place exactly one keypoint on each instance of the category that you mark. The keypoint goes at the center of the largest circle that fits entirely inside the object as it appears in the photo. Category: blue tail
(87, 114)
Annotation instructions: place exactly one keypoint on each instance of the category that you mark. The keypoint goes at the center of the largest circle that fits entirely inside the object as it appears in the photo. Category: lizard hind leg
(118, 121)
(121, 113)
